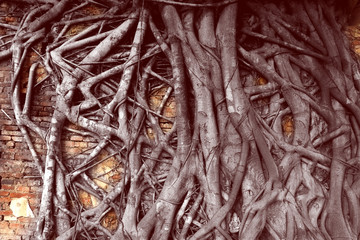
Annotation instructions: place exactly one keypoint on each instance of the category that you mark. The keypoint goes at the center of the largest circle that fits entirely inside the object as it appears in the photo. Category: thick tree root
(265, 138)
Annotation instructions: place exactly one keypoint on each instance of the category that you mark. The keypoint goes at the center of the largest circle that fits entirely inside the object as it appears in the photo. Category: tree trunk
(264, 143)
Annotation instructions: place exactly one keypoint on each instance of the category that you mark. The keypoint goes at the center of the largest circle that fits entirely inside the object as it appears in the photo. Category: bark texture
(265, 143)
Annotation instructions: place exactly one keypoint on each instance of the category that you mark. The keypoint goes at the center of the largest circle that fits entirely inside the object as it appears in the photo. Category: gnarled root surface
(265, 140)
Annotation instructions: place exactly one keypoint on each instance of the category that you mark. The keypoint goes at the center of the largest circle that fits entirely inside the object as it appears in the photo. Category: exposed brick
(5, 201)
(6, 231)
(11, 133)
(166, 126)
(10, 218)
(81, 144)
(10, 144)
(69, 143)
(10, 128)
(6, 83)
(5, 138)
(46, 103)
(7, 187)
(19, 195)
(16, 226)
(4, 225)
(6, 122)
(41, 119)
(17, 139)
(73, 151)
(25, 220)
(36, 189)
(6, 156)
(4, 99)
(74, 126)
(34, 202)
(49, 109)
(23, 156)
(6, 212)
(76, 138)
(37, 108)
(88, 139)
(7, 181)
(38, 146)
(23, 189)
(17, 150)
(20, 146)
(5, 66)
(34, 183)
(18, 238)
(6, 106)
(4, 193)
(22, 231)
(10, 151)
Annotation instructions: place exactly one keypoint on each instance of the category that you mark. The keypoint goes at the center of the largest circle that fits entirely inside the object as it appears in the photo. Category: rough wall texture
(18, 174)
(20, 184)
(19, 178)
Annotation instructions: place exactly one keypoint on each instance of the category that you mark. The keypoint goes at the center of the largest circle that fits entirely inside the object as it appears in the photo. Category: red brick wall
(18, 174)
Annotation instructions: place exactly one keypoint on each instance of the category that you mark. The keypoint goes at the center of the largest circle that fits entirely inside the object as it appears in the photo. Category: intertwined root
(265, 131)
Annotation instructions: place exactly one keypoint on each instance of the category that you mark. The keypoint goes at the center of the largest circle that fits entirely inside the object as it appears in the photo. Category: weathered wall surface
(19, 178)
(20, 183)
